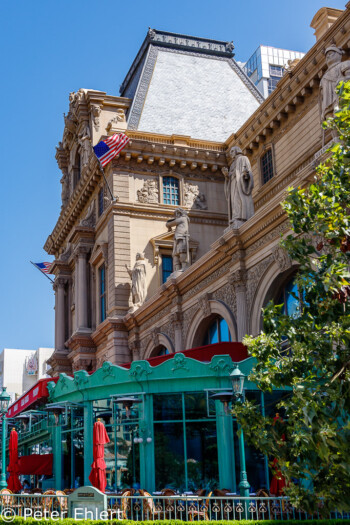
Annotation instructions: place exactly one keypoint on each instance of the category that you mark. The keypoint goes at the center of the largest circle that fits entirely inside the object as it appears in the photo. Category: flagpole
(114, 199)
(49, 278)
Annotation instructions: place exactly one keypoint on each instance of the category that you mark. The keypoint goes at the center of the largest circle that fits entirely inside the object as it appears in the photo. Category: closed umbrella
(98, 467)
(13, 482)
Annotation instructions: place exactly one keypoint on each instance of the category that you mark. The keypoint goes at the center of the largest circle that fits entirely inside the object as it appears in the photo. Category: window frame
(267, 150)
(168, 255)
(180, 189)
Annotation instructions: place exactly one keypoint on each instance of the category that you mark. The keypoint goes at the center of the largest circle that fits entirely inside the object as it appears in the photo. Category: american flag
(43, 267)
(107, 149)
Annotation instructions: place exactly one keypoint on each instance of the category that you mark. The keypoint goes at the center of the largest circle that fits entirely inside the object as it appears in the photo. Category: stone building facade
(233, 272)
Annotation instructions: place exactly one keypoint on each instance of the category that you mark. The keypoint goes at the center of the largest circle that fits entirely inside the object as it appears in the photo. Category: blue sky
(50, 48)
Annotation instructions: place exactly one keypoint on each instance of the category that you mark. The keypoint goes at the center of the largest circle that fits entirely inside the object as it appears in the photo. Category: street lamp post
(237, 380)
(4, 403)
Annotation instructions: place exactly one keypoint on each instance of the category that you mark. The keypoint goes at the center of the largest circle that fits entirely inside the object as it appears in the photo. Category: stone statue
(65, 187)
(85, 143)
(337, 71)
(181, 250)
(239, 185)
(138, 282)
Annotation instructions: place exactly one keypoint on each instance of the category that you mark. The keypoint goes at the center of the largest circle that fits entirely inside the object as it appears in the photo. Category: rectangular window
(171, 191)
(267, 166)
(167, 267)
(102, 292)
(100, 202)
(276, 71)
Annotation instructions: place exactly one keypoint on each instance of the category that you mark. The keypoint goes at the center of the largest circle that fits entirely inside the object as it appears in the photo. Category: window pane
(267, 166)
(214, 332)
(167, 267)
(167, 406)
(169, 457)
(171, 191)
(224, 331)
(196, 405)
(292, 301)
(202, 455)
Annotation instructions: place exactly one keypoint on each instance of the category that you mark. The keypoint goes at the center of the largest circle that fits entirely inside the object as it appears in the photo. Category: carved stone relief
(282, 258)
(84, 140)
(253, 278)
(90, 217)
(149, 193)
(118, 122)
(204, 304)
(193, 198)
(95, 112)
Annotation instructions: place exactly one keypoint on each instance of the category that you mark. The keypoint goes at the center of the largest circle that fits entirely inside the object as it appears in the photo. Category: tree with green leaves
(308, 354)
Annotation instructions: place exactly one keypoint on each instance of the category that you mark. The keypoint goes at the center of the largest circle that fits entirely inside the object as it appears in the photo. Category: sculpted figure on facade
(239, 185)
(65, 188)
(138, 282)
(96, 111)
(337, 71)
(181, 250)
(85, 143)
(149, 192)
(193, 198)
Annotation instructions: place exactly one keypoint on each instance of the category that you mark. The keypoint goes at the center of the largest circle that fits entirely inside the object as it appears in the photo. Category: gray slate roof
(188, 86)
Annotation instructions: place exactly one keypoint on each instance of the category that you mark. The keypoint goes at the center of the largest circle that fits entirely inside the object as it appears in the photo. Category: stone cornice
(108, 326)
(291, 91)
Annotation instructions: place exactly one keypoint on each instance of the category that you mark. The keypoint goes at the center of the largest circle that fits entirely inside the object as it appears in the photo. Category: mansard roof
(189, 86)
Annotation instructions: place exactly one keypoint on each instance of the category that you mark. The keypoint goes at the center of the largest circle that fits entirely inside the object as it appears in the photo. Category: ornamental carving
(227, 295)
(107, 369)
(282, 258)
(193, 198)
(81, 378)
(139, 370)
(221, 367)
(253, 278)
(117, 123)
(95, 114)
(90, 217)
(84, 140)
(149, 193)
(66, 254)
(204, 304)
(179, 362)
(65, 188)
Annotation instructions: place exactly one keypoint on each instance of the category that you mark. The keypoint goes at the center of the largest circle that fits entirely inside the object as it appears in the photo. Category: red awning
(237, 351)
(36, 393)
(37, 464)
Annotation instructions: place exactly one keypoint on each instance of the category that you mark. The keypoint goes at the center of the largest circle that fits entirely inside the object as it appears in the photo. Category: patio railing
(191, 507)
(182, 507)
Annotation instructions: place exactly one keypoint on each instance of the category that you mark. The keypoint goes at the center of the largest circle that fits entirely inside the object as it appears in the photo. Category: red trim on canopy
(36, 393)
(237, 351)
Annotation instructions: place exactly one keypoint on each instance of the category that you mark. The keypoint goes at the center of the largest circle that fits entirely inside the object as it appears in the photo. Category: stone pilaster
(60, 326)
(176, 320)
(238, 280)
(81, 286)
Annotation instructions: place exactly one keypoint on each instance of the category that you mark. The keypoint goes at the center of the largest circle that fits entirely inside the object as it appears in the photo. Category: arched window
(171, 194)
(290, 298)
(160, 350)
(217, 332)
(266, 163)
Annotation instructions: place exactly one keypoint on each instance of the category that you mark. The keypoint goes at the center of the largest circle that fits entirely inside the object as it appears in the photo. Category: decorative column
(81, 306)
(147, 460)
(226, 451)
(60, 326)
(176, 320)
(88, 449)
(57, 454)
(238, 280)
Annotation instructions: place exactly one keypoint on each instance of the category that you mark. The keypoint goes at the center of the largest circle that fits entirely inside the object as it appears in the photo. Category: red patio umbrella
(13, 482)
(98, 467)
